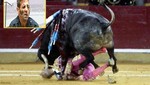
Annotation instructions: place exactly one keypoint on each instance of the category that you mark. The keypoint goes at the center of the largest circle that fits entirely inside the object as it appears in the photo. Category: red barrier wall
(131, 27)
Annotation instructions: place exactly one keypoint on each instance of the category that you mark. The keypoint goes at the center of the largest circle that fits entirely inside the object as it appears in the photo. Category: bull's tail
(112, 14)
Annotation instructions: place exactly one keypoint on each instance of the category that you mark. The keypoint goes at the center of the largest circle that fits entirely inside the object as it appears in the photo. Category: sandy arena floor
(28, 74)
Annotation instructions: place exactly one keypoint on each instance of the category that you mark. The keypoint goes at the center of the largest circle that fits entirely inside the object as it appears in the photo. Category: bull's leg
(51, 58)
(47, 72)
(95, 65)
(112, 56)
(89, 58)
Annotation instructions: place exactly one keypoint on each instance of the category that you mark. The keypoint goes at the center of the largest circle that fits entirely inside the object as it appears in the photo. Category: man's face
(24, 10)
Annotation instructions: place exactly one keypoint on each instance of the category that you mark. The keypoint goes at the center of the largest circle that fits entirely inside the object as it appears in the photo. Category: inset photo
(20, 14)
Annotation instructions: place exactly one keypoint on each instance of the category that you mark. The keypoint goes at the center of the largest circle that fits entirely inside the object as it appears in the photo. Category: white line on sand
(19, 75)
(38, 71)
(20, 71)
(29, 73)
(27, 50)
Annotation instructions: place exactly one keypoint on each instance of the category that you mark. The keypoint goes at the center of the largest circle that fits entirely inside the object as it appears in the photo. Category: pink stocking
(99, 70)
(91, 73)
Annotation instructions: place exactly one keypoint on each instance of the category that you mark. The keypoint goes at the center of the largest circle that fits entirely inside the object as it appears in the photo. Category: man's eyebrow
(24, 5)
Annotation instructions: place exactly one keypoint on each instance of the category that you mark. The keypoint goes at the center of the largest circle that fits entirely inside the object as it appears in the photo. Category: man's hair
(18, 3)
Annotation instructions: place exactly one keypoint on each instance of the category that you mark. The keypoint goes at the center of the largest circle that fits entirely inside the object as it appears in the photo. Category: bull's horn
(50, 18)
(112, 14)
(45, 60)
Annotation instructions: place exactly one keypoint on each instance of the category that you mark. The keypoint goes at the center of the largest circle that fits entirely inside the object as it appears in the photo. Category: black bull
(85, 32)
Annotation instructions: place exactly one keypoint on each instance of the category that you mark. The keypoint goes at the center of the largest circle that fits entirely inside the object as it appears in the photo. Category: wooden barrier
(131, 27)
(57, 3)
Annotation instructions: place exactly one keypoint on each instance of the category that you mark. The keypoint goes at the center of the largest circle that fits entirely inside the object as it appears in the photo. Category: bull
(70, 32)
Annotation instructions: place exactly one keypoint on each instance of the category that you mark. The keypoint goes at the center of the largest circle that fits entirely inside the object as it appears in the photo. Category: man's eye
(28, 6)
(23, 7)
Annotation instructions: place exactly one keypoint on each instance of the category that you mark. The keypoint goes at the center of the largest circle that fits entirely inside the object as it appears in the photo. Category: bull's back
(86, 32)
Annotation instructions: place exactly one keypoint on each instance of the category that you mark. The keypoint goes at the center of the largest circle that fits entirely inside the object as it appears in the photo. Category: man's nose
(26, 8)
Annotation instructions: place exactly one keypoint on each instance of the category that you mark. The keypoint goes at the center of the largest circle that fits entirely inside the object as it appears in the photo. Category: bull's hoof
(47, 73)
(115, 70)
(111, 62)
